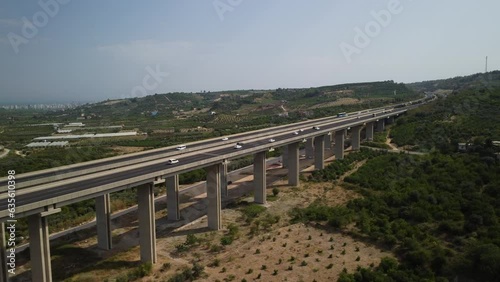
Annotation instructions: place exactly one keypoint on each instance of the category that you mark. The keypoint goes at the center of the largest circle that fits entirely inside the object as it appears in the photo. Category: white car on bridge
(172, 161)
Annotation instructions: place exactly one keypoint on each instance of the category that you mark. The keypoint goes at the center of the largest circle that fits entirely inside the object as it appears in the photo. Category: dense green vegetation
(469, 114)
(439, 213)
(337, 168)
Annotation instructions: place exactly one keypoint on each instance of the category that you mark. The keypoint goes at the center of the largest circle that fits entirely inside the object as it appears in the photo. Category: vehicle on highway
(295, 133)
(271, 150)
(343, 114)
(237, 146)
(373, 115)
(301, 130)
(181, 147)
(225, 139)
(172, 161)
(316, 128)
(271, 140)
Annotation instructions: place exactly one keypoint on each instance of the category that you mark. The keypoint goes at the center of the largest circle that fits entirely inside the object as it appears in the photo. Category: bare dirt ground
(388, 141)
(122, 150)
(4, 153)
(340, 101)
(279, 252)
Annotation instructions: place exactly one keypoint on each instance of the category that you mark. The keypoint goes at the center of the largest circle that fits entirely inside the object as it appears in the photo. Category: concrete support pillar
(103, 221)
(390, 120)
(328, 141)
(369, 131)
(339, 145)
(356, 137)
(38, 229)
(147, 227)
(284, 157)
(380, 125)
(173, 210)
(259, 177)
(223, 179)
(309, 148)
(319, 152)
(294, 167)
(4, 276)
(214, 197)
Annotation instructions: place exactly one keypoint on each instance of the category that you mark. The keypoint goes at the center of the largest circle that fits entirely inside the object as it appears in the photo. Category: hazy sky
(89, 50)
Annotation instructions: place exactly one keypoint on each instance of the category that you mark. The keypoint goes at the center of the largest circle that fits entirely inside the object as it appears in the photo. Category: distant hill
(477, 81)
(253, 102)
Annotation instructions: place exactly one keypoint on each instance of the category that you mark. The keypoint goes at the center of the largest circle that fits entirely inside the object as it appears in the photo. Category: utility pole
(486, 66)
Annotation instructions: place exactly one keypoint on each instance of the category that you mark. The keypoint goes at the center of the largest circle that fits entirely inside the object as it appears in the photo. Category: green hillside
(469, 113)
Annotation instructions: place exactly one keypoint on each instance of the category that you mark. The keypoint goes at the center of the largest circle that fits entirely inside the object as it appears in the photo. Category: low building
(462, 147)
(75, 124)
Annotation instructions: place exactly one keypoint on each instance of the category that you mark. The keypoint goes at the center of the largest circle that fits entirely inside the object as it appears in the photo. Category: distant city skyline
(59, 51)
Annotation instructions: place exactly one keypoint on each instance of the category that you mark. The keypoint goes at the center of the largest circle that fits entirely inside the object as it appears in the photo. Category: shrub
(215, 263)
(252, 211)
(276, 191)
(226, 240)
(165, 267)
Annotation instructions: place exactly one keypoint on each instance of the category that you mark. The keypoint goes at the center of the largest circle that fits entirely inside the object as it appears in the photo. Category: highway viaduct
(43, 193)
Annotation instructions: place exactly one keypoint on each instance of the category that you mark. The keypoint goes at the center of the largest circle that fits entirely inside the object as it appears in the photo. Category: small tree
(276, 191)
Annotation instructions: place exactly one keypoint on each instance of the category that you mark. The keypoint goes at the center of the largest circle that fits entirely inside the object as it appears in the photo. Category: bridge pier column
(223, 179)
(284, 157)
(103, 222)
(294, 167)
(259, 177)
(147, 227)
(4, 275)
(390, 120)
(38, 229)
(328, 141)
(380, 125)
(310, 148)
(369, 131)
(356, 137)
(319, 152)
(339, 145)
(214, 197)
(173, 211)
